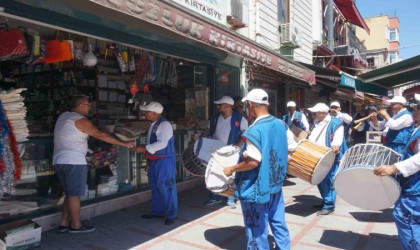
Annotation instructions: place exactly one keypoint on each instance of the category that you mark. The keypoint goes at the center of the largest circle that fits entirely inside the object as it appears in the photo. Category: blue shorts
(73, 178)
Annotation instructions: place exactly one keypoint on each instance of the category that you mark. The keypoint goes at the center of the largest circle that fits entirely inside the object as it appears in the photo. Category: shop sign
(210, 9)
(348, 81)
(173, 19)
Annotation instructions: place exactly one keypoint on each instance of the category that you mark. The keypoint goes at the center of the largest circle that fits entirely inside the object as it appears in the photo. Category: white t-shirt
(319, 131)
(223, 128)
(70, 144)
(164, 132)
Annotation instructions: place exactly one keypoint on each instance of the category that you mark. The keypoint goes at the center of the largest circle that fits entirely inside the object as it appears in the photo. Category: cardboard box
(22, 234)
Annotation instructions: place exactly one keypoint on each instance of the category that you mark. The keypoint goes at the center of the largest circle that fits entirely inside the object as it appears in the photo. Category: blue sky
(407, 12)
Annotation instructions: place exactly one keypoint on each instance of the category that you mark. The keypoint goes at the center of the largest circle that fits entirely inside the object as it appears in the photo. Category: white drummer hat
(225, 99)
(319, 107)
(291, 104)
(257, 96)
(398, 99)
(152, 107)
(417, 97)
(335, 104)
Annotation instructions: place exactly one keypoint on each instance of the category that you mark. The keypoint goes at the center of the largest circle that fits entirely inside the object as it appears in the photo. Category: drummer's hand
(385, 170)
(335, 149)
(228, 171)
(140, 149)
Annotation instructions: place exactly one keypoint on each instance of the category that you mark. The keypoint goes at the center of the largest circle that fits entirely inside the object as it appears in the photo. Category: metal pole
(330, 21)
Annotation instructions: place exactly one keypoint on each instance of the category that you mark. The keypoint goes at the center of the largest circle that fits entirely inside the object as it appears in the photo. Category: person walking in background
(71, 133)
(260, 174)
(161, 155)
(227, 127)
(295, 117)
(328, 131)
(398, 128)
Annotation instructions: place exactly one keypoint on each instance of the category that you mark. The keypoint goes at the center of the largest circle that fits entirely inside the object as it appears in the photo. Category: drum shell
(197, 155)
(311, 162)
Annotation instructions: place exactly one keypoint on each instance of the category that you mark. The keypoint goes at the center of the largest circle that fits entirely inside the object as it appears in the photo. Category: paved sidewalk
(219, 227)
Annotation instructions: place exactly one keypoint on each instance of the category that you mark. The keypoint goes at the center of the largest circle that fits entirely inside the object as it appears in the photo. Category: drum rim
(328, 152)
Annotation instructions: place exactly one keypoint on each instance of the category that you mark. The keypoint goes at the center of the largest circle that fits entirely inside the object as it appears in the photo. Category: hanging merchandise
(131, 62)
(57, 51)
(13, 43)
(89, 59)
(121, 63)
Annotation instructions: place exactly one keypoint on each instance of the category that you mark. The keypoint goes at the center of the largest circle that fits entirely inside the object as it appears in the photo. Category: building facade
(383, 46)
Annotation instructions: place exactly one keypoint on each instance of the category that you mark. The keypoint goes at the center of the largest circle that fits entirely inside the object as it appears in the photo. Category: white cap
(398, 99)
(257, 96)
(225, 99)
(417, 97)
(335, 104)
(319, 107)
(291, 104)
(152, 107)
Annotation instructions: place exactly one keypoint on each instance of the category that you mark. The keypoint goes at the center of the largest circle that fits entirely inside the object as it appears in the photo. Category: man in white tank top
(71, 133)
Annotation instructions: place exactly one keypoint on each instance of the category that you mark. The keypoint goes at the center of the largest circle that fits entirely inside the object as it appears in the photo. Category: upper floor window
(393, 34)
(393, 57)
(283, 11)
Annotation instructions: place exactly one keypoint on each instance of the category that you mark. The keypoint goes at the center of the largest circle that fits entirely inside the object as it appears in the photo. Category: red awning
(351, 13)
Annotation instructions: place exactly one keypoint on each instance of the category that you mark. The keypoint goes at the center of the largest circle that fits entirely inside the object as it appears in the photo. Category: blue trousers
(256, 217)
(326, 188)
(407, 219)
(162, 180)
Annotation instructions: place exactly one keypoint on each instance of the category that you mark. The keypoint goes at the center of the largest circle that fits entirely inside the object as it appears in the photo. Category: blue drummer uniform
(162, 177)
(407, 209)
(397, 139)
(326, 187)
(259, 189)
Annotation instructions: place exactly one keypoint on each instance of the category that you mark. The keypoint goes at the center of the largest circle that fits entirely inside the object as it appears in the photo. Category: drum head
(360, 187)
(322, 167)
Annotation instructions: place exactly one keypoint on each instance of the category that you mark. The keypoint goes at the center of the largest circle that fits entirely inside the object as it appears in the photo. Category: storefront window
(227, 81)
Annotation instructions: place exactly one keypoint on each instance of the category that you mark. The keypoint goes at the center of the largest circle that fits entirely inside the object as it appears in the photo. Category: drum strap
(320, 133)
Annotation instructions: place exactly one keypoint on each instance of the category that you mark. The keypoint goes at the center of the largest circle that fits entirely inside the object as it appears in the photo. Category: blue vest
(256, 185)
(170, 148)
(399, 136)
(332, 127)
(410, 185)
(297, 121)
(235, 127)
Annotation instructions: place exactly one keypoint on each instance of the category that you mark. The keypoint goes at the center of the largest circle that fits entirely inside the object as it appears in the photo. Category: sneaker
(325, 211)
(231, 204)
(212, 202)
(62, 229)
(169, 221)
(318, 206)
(82, 229)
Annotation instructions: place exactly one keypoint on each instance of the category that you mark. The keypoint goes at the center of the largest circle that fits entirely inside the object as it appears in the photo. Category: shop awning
(395, 75)
(156, 25)
(409, 93)
(351, 13)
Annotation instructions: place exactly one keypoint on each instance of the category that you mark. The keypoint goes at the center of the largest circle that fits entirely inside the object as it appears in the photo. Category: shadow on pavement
(236, 240)
(384, 216)
(351, 240)
(302, 205)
